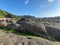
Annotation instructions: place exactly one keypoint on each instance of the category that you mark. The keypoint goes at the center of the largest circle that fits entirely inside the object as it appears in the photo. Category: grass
(1, 16)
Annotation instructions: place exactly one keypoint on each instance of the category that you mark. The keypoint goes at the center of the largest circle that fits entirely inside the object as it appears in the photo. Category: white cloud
(50, 0)
(26, 2)
(41, 5)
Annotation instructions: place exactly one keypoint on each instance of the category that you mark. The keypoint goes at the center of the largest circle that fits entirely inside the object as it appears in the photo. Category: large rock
(3, 22)
(53, 31)
(30, 26)
(8, 23)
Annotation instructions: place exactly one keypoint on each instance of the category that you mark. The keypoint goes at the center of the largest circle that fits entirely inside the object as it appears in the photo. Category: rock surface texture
(30, 26)
(34, 27)
(53, 31)
(13, 39)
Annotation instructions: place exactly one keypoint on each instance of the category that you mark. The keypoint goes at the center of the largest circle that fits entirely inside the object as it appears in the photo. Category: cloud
(41, 5)
(26, 2)
(50, 0)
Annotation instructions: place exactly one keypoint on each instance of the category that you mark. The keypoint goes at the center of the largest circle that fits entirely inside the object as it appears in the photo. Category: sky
(37, 8)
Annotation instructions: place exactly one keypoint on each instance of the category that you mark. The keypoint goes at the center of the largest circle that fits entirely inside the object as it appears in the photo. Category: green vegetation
(5, 14)
(9, 15)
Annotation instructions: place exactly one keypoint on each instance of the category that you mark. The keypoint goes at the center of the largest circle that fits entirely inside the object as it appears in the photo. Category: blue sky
(38, 8)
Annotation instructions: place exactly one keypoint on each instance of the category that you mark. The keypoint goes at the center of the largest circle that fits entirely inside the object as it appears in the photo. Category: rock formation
(13, 39)
(30, 26)
(33, 27)
(53, 31)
